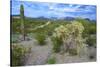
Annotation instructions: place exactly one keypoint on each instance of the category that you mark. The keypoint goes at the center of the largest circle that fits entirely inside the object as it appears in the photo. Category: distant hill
(15, 16)
(69, 18)
(51, 18)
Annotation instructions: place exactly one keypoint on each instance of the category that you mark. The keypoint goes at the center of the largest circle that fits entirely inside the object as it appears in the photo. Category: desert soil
(40, 54)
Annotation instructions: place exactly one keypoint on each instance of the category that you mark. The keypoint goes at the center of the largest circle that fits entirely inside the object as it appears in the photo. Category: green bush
(91, 41)
(17, 55)
(14, 38)
(56, 44)
(51, 61)
(40, 38)
(89, 27)
(73, 51)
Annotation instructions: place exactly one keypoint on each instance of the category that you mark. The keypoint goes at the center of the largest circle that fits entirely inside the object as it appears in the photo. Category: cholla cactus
(60, 32)
(71, 35)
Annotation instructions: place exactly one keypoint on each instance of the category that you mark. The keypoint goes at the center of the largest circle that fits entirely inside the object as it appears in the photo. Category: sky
(58, 10)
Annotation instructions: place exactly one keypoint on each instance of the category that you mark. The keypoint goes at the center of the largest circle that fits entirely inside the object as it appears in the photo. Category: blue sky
(59, 10)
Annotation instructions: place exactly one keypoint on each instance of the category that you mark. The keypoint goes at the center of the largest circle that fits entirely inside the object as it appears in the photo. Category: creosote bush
(18, 53)
(40, 38)
(51, 61)
(14, 38)
(56, 44)
(73, 52)
(91, 41)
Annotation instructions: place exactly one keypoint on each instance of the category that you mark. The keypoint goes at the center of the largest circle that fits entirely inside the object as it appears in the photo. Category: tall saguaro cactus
(22, 21)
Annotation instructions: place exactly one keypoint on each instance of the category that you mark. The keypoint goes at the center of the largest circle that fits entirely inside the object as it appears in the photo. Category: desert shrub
(89, 27)
(15, 26)
(92, 28)
(72, 51)
(18, 53)
(56, 44)
(40, 38)
(91, 57)
(51, 61)
(14, 38)
(91, 41)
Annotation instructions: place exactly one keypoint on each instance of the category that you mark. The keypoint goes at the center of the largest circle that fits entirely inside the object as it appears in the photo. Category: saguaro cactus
(22, 21)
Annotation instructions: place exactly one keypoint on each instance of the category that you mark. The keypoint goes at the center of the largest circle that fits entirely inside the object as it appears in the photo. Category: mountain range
(52, 18)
